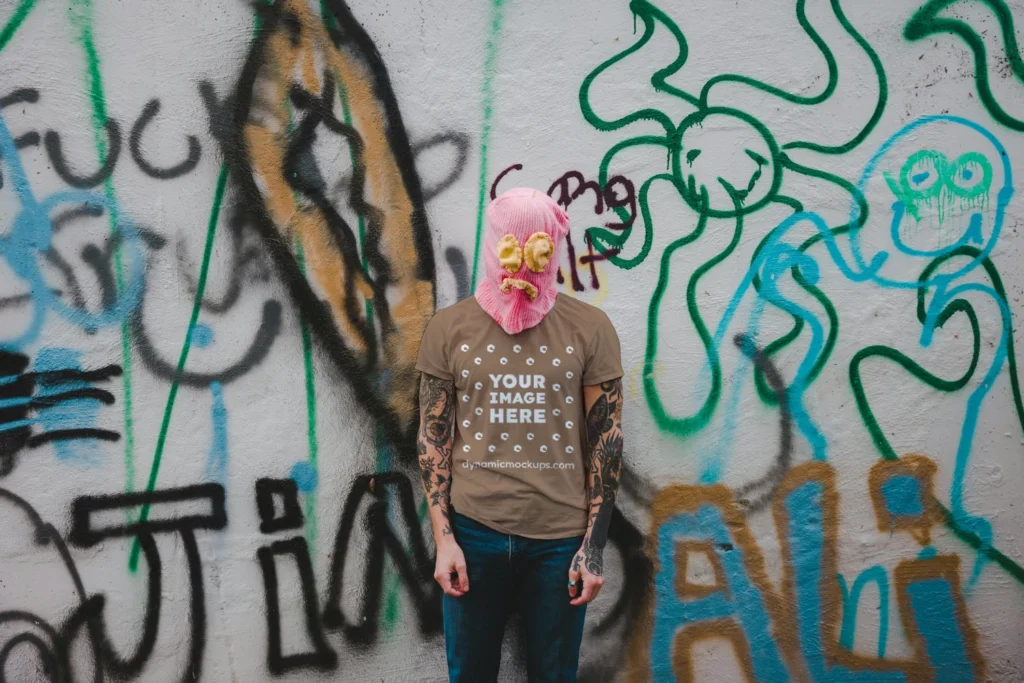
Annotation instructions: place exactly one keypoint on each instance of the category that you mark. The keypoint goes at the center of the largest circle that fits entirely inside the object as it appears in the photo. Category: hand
(450, 560)
(588, 564)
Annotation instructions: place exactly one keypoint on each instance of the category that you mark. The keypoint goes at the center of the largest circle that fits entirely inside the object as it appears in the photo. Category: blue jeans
(508, 573)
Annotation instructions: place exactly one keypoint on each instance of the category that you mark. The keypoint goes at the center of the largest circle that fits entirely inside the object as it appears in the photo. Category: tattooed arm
(434, 448)
(604, 445)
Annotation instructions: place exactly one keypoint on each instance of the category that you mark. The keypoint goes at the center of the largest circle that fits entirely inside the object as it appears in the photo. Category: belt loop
(510, 547)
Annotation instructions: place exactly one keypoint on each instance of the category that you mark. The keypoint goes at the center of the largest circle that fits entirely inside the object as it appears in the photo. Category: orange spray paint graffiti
(791, 633)
(316, 86)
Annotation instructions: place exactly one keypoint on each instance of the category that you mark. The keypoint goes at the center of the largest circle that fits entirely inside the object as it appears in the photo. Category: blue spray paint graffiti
(807, 537)
(71, 414)
(778, 260)
(793, 633)
(851, 600)
(741, 599)
(31, 235)
(59, 396)
(217, 459)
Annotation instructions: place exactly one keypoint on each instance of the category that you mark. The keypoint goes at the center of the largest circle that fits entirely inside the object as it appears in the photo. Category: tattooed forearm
(604, 440)
(434, 446)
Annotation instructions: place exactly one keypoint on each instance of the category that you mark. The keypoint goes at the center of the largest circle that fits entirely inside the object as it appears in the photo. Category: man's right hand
(450, 560)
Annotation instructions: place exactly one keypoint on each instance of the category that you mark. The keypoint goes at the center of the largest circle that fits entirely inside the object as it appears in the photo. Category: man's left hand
(588, 564)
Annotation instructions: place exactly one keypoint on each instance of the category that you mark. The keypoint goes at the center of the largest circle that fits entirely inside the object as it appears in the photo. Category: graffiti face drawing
(947, 181)
(732, 156)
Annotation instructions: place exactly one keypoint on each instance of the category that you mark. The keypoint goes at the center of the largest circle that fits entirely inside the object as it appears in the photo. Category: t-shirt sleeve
(433, 355)
(604, 357)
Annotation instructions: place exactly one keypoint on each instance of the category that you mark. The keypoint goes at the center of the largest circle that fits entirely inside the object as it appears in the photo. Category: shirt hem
(554, 536)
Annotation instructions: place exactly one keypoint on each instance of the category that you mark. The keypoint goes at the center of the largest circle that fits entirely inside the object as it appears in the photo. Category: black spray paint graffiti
(618, 193)
(89, 530)
(97, 258)
(350, 38)
(67, 172)
(256, 353)
(23, 393)
(183, 511)
(54, 258)
(459, 144)
(457, 262)
(283, 494)
(303, 175)
(415, 567)
(49, 644)
(247, 263)
(187, 165)
(758, 494)
(322, 657)
(247, 258)
(102, 262)
(21, 96)
(90, 526)
(378, 493)
(55, 151)
(274, 494)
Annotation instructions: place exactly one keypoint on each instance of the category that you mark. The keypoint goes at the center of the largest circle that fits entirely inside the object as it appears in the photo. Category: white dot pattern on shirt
(556, 362)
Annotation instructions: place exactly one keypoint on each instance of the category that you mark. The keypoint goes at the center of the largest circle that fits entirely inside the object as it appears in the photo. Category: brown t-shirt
(518, 464)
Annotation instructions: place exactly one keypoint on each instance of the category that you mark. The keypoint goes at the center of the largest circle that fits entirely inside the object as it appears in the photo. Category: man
(520, 448)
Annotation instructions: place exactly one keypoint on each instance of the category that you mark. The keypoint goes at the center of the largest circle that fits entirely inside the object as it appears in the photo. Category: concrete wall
(225, 224)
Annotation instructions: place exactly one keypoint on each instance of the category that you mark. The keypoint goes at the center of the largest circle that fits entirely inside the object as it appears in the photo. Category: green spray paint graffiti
(696, 158)
(928, 22)
(80, 14)
(728, 166)
(490, 66)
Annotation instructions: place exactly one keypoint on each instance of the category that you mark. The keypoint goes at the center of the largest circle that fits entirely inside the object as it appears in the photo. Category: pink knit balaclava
(525, 232)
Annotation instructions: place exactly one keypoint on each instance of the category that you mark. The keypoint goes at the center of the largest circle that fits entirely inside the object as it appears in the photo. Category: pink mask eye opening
(510, 254)
(538, 251)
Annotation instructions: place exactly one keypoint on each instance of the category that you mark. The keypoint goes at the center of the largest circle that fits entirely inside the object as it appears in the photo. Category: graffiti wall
(223, 227)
